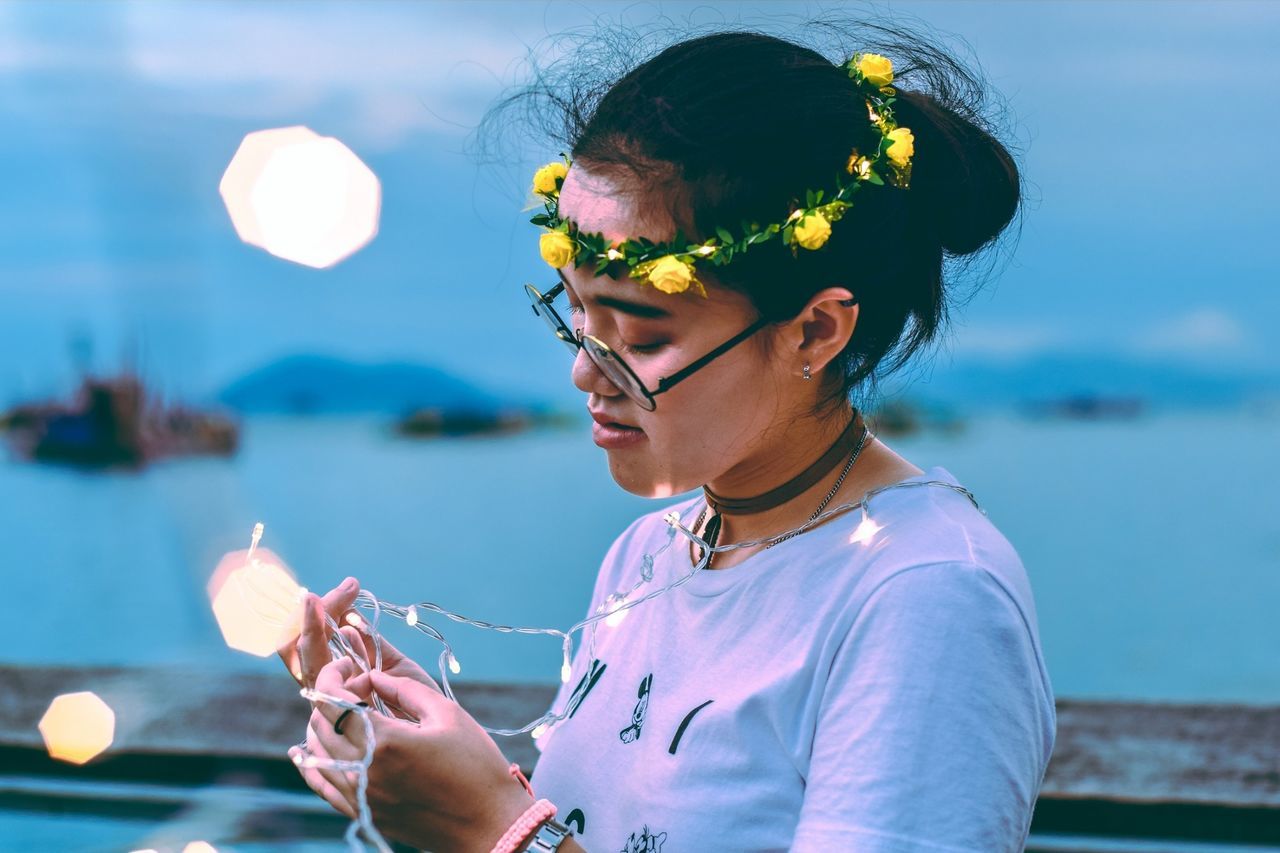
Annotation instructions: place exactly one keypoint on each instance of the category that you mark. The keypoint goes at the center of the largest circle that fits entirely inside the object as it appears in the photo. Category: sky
(1144, 130)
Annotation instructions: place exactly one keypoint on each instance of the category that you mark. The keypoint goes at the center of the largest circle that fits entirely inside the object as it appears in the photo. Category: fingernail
(349, 583)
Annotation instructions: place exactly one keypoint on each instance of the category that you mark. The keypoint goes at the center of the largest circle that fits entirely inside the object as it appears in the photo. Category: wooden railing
(1119, 769)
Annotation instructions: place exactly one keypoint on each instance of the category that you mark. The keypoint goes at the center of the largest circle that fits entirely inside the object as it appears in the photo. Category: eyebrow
(635, 309)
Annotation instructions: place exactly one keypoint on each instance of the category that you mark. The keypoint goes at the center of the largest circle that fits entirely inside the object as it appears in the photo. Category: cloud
(373, 73)
(1006, 341)
(1200, 331)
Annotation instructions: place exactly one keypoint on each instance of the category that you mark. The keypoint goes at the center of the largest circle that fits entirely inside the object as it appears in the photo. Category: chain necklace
(713, 526)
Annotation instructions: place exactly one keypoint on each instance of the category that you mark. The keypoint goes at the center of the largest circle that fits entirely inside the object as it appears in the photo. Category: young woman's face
(708, 424)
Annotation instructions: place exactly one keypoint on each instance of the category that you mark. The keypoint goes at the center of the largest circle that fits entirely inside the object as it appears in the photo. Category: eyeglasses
(611, 364)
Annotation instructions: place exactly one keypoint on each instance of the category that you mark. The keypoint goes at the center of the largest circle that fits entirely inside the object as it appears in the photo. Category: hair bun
(963, 180)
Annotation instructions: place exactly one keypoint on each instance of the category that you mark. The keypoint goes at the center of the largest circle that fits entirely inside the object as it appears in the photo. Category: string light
(303, 758)
(611, 611)
(866, 529)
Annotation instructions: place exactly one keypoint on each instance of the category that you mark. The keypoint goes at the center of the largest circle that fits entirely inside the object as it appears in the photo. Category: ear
(822, 329)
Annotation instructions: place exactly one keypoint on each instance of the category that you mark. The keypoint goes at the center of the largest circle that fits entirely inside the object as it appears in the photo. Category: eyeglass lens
(608, 362)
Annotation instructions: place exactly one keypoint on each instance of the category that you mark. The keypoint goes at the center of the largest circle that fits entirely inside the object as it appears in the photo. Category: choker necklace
(855, 435)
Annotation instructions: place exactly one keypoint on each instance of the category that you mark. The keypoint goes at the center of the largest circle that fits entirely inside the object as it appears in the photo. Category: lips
(607, 420)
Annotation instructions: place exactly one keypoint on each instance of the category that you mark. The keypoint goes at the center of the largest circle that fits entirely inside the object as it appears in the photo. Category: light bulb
(866, 530)
(566, 672)
(411, 616)
(454, 666)
(618, 613)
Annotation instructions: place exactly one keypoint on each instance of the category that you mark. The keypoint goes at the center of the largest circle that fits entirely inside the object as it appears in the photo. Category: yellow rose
(544, 180)
(812, 231)
(876, 69)
(670, 275)
(904, 145)
(557, 248)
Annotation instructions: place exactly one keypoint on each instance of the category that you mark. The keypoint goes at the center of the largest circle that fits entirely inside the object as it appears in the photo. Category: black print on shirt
(675, 741)
(590, 677)
(646, 843)
(577, 820)
(632, 732)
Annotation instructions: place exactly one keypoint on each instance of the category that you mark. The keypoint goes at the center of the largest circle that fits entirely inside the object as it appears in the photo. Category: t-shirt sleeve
(934, 728)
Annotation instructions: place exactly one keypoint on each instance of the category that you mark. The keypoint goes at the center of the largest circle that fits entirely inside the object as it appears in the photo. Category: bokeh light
(199, 847)
(258, 604)
(77, 727)
(301, 196)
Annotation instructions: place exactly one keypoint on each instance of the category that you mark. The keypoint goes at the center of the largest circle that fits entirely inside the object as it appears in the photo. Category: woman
(871, 682)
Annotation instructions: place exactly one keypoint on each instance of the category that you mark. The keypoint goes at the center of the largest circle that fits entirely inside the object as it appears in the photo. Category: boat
(111, 422)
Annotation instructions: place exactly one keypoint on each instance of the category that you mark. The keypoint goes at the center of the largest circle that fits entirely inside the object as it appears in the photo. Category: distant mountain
(316, 384)
(972, 383)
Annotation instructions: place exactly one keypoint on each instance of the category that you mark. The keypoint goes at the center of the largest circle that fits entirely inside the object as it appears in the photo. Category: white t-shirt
(838, 691)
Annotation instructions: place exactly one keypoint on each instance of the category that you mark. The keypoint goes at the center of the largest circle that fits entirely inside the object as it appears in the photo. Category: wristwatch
(548, 837)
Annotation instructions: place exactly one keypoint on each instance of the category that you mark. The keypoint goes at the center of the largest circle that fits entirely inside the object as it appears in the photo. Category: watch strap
(548, 837)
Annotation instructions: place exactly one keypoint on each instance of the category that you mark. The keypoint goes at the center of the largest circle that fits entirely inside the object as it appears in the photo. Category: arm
(934, 729)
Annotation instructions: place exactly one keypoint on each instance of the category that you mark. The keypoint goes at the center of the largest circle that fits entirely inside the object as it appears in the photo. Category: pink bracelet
(524, 825)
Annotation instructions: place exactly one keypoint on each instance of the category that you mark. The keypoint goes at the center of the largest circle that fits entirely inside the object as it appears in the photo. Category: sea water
(1152, 544)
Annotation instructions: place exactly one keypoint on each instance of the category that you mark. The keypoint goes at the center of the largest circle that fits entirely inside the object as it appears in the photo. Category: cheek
(713, 412)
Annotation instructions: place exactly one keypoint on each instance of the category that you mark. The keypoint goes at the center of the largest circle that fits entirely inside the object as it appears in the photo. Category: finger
(356, 640)
(340, 785)
(289, 655)
(334, 745)
(338, 600)
(361, 685)
(405, 693)
(331, 680)
(313, 645)
(325, 790)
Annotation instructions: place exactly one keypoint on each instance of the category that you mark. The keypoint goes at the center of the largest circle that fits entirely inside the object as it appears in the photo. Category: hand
(439, 784)
(310, 652)
(305, 656)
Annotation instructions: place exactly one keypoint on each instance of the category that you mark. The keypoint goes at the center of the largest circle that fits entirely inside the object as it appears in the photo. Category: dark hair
(734, 126)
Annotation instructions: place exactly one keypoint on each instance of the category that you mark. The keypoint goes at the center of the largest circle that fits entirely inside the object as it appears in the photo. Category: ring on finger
(337, 724)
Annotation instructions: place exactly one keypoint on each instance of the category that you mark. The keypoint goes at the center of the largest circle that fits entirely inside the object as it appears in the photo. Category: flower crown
(669, 266)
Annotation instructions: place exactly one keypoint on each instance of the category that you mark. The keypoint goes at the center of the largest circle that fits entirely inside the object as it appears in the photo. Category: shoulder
(939, 529)
(930, 564)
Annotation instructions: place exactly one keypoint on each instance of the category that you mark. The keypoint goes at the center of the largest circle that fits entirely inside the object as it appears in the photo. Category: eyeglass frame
(665, 383)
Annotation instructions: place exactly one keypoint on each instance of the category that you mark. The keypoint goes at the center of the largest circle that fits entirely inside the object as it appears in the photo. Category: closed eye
(641, 349)
(575, 312)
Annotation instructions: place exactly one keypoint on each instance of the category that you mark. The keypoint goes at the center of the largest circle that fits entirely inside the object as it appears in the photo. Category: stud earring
(806, 371)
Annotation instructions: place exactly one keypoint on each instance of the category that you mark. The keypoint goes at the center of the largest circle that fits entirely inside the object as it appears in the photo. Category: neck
(784, 453)
(777, 463)
(844, 449)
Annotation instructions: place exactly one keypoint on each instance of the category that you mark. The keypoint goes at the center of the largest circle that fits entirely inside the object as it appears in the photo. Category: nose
(588, 378)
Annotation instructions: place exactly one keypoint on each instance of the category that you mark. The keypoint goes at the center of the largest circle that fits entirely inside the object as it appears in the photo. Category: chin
(643, 482)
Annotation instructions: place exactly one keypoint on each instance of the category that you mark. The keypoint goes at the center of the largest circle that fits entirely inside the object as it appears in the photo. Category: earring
(806, 371)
